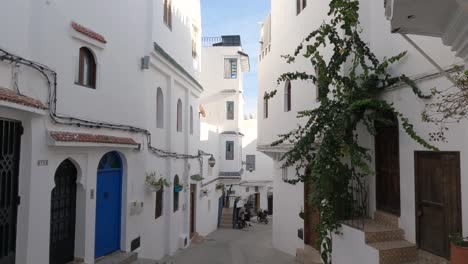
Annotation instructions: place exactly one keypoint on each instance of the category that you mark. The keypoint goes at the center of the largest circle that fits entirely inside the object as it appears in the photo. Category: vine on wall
(349, 84)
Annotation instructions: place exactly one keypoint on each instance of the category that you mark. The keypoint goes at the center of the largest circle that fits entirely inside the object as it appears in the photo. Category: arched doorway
(62, 214)
(108, 204)
(387, 164)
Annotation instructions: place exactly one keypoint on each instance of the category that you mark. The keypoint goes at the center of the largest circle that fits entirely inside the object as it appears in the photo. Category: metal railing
(209, 41)
(356, 210)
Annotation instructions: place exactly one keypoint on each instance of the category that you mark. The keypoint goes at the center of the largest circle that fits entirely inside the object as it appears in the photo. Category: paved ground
(228, 246)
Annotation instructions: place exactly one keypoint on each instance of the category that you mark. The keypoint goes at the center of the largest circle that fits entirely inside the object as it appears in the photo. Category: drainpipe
(425, 55)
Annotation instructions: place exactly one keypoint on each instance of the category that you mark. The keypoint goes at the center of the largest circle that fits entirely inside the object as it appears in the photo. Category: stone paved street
(227, 246)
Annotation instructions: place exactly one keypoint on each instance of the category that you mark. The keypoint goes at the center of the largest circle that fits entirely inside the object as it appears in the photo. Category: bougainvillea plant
(350, 84)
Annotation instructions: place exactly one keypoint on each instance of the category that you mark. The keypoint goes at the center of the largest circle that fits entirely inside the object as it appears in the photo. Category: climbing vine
(326, 152)
(450, 104)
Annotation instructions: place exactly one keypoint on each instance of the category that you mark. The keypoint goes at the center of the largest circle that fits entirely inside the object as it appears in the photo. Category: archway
(63, 214)
(108, 204)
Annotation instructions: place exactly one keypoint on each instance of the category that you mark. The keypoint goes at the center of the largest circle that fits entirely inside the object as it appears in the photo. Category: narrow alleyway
(228, 246)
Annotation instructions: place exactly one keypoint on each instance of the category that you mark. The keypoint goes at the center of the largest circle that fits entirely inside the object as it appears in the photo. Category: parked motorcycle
(262, 216)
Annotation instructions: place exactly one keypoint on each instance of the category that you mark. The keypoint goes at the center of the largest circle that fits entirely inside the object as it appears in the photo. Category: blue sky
(238, 17)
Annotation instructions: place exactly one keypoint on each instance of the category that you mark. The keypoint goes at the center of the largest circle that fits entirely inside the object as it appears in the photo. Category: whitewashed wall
(125, 94)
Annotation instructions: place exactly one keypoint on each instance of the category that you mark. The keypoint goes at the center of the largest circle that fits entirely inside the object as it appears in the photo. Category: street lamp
(211, 161)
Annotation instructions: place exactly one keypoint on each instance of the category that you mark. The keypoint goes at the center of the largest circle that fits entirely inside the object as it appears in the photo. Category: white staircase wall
(349, 247)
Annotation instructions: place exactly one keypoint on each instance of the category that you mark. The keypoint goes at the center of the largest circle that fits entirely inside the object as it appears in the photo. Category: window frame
(230, 115)
(85, 52)
(159, 108)
(229, 154)
(300, 5)
(159, 203)
(191, 120)
(179, 121)
(231, 74)
(253, 161)
(176, 195)
(287, 96)
(265, 107)
(167, 15)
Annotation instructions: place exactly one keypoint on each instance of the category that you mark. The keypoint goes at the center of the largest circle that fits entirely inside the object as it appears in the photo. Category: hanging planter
(220, 187)
(204, 192)
(178, 188)
(154, 184)
(301, 214)
(197, 178)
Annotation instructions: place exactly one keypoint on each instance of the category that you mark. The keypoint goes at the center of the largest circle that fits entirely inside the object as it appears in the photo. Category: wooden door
(311, 217)
(193, 189)
(387, 166)
(438, 200)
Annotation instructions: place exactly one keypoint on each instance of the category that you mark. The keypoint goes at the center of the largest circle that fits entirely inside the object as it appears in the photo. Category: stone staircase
(226, 218)
(383, 234)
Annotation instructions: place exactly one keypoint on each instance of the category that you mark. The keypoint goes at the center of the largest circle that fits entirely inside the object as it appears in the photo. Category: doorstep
(118, 258)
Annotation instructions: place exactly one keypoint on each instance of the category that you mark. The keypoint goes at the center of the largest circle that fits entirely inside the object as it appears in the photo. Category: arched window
(159, 109)
(177, 189)
(191, 120)
(179, 115)
(287, 96)
(265, 106)
(87, 68)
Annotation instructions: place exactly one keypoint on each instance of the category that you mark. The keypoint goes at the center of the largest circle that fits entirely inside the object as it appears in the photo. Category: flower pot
(458, 254)
(178, 188)
(153, 188)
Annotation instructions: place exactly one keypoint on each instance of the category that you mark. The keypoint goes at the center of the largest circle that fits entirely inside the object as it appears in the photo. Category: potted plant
(155, 184)
(178, 187)
(301, 214)
(459, 248)
(197, 178)
(220, 187)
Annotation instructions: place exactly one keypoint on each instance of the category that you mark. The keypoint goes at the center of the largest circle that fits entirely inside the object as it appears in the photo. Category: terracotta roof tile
(88, 32)
(90, 138)
(12, 97)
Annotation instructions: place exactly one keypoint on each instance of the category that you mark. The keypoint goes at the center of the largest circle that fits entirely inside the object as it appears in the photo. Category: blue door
(108, 205)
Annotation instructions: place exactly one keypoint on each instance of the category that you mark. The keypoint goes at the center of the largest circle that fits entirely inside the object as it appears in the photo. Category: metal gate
(62, 214)
(10, 138)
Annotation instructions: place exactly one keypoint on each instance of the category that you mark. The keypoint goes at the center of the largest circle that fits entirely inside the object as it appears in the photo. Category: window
(159, 109)
(256, 189)
(179, 115)
(191, 120)
(247, 189)
(159, 204)
(229, 150)
(300, 5)
(284, 175)
(167, 17)
(287, 96)
(250, 162)
(176, 193)
(265, 106)
(230, 110)
(87, 68)
(230, 68)
(194, 41)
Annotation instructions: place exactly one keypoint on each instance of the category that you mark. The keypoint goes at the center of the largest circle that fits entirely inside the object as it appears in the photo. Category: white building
(225, 131)
(92, 100)
(407, 216)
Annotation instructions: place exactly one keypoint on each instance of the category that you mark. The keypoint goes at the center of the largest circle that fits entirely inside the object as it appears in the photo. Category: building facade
(88, 108)
(397, 207)
(225, 130)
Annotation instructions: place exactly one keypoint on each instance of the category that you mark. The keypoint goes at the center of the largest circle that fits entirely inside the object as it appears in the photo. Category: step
(145, 261)
(118, 258)
(396, 252)
(375, 231)
(386, 219)
(308, 255)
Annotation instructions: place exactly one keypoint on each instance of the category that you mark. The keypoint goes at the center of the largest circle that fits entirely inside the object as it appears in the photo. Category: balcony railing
(227, 41)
